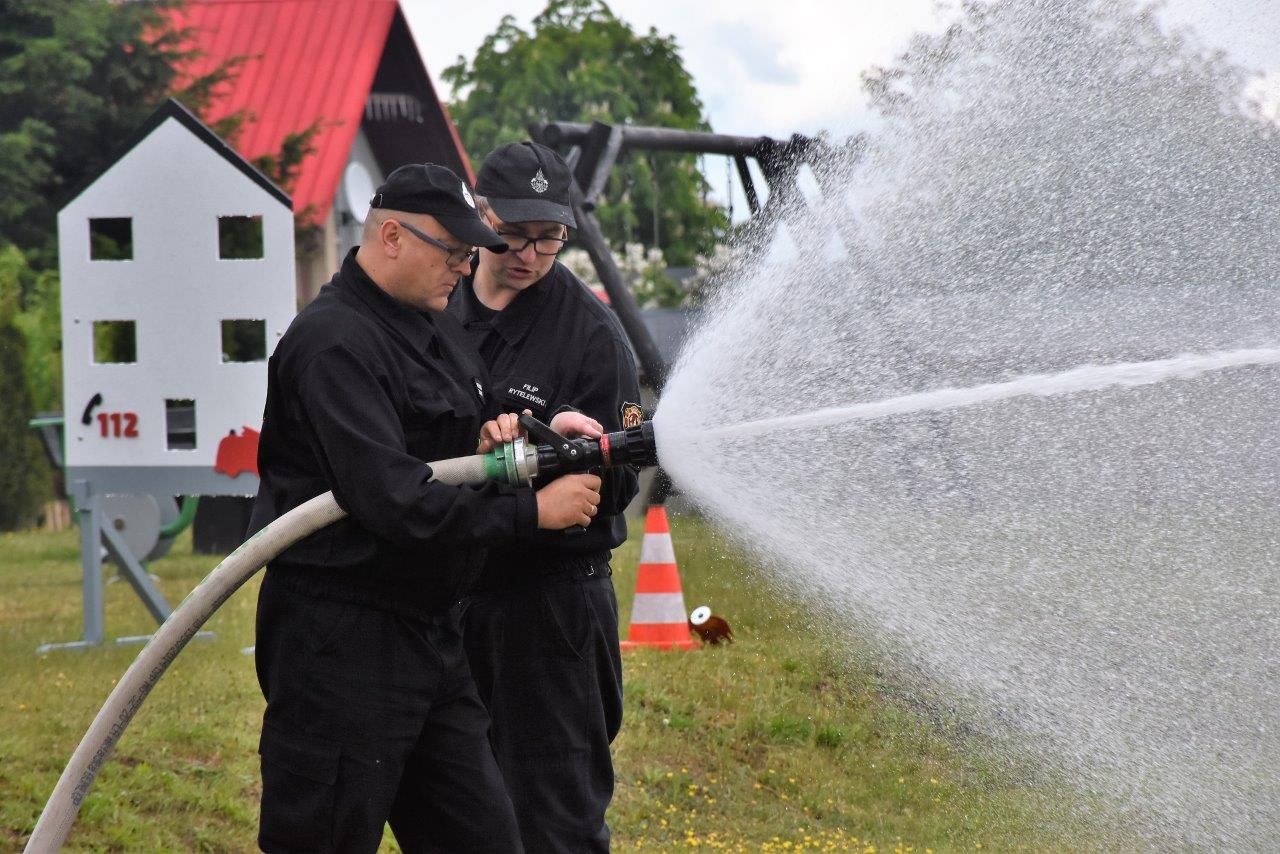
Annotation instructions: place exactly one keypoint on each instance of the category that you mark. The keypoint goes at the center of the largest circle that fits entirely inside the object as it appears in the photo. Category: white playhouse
(177, 266)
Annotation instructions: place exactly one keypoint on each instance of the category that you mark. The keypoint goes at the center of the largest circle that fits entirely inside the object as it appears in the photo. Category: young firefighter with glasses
(541, 628)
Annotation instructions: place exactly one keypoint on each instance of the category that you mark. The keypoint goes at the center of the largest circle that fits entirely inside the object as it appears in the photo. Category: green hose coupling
(510, 463)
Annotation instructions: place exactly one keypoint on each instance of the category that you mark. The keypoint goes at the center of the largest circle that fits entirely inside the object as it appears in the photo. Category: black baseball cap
(525, 181)
(430, 189)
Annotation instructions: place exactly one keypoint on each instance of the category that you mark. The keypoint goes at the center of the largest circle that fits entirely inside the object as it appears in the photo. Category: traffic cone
(657, 615)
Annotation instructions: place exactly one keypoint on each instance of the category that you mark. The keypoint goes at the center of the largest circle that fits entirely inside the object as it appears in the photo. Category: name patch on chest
(528, 392)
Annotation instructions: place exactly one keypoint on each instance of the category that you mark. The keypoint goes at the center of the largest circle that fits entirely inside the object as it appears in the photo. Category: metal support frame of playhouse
(97, 536)
(94, 536)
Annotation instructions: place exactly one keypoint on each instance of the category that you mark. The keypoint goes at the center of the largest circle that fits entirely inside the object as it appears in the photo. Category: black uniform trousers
(372, 717)
(546, 662)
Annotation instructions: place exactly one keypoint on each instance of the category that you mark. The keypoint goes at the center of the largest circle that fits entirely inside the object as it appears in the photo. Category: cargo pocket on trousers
(327, 624)
(299, 777)
(570, 620)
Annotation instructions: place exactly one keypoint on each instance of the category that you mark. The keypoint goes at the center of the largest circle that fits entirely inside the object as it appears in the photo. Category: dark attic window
(115, 342)
(239, 237)
(244, 340)
(180, 424)
(111, 238)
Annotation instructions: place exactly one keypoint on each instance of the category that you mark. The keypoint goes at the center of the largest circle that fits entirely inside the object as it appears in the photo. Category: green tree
(76, 78)
(23, 475)
(582, 63)
(30, 300)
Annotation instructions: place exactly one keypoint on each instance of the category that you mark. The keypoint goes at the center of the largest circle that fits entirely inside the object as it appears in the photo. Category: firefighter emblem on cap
(632, 415)
(539, 182)
(466, 195)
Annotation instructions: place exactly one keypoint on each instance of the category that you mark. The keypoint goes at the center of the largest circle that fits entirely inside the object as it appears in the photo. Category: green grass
(789, 739)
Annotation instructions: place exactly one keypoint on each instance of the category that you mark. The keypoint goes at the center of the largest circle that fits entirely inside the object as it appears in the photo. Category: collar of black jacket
(416, 327)
(520, 315)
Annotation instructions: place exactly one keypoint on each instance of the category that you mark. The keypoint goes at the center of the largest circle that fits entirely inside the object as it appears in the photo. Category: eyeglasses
(516, 242)
(457, 254)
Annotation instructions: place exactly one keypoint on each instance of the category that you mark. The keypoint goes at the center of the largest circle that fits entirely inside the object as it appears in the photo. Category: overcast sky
(757, 70)
(782, 66)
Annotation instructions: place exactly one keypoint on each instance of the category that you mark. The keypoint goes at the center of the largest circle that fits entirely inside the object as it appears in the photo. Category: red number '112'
(116, 425)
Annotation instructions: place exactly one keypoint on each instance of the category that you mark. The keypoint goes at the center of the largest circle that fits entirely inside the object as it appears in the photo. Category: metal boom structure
(593, 151)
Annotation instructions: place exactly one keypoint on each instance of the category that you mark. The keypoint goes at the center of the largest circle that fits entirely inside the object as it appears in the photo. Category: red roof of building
(303, 60)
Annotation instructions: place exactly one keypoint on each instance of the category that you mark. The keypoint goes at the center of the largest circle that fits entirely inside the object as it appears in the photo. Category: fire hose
(518, 462)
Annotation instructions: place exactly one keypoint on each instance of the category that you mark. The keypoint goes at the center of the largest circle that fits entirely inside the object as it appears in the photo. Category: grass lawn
(783, 741)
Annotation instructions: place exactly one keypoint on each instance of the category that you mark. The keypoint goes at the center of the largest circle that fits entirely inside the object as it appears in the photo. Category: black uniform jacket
(556, 346)
(361, 391)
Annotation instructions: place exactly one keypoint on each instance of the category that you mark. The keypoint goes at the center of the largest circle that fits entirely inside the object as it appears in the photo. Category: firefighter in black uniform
(541, 629)
(371, 712)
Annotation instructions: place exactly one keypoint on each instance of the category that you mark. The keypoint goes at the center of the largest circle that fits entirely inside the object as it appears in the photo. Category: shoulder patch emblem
(631, 414)
(539, 182)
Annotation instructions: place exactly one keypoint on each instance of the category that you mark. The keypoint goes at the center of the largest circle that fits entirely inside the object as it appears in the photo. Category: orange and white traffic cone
(658, 617)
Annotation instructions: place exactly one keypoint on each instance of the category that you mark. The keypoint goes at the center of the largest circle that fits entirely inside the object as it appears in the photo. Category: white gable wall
(177, 291)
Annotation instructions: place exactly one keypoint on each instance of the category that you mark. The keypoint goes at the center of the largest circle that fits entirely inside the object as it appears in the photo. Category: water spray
(516, 463)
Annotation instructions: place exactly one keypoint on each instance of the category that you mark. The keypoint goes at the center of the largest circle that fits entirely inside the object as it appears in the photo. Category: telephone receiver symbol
(94, 402)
